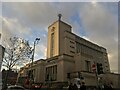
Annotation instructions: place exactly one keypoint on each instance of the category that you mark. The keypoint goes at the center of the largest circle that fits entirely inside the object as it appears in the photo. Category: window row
(80, 48)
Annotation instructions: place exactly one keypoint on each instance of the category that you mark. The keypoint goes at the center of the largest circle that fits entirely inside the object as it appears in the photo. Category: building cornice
(59, 21)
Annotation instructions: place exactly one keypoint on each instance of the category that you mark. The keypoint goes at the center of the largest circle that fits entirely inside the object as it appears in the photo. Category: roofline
(86, 40)
(59, 21)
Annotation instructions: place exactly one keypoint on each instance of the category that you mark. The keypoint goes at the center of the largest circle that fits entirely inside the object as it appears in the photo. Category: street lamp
(35, 42)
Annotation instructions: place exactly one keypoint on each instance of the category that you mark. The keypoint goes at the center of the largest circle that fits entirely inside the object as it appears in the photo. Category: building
(67, 54)
(2, 49)
(12, 77)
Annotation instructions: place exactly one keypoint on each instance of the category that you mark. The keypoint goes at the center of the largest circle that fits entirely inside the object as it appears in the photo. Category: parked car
(15, 87)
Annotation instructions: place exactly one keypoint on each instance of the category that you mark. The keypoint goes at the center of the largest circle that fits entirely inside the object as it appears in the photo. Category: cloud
(39, 14)
(40, 52)
(33, 13)
(102, 27)
(76, 28)
(12, 27)
(29, 0)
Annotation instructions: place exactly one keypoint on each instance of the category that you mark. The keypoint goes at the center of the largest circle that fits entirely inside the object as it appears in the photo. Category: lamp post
(35, 42)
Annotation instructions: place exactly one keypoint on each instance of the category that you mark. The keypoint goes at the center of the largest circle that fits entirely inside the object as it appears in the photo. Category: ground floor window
(88, 66)
(51, 73)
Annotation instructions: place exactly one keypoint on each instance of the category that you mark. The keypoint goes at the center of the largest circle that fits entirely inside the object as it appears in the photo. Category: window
(105, 61)
(72, 52)
(106, 66)
(53, 28)
(52, 44)
(51, 73)
(72, 42)
(88, 66)
(72, 47)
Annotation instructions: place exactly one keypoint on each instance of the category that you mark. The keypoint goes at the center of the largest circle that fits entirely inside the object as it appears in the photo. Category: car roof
(15, 86)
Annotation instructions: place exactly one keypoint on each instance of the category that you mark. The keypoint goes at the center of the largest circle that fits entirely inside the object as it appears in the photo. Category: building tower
(56, 37)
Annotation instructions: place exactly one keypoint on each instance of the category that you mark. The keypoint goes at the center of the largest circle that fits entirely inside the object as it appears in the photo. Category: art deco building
(68, 53)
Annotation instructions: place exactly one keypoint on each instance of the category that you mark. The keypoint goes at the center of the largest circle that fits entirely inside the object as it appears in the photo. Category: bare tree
(16, 53)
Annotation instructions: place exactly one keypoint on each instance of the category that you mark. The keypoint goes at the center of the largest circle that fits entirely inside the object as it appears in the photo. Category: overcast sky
(95, 21)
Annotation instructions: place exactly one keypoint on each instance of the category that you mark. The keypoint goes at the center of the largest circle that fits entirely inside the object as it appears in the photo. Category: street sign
(94, 68)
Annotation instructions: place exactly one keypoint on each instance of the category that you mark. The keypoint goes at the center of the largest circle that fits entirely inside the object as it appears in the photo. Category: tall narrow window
(88, 66)
(52, 45)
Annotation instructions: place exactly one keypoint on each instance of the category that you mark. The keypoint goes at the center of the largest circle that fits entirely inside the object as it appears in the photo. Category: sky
(94, 21)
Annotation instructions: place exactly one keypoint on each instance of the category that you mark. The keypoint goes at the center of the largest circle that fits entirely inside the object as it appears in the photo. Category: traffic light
(99, 68)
